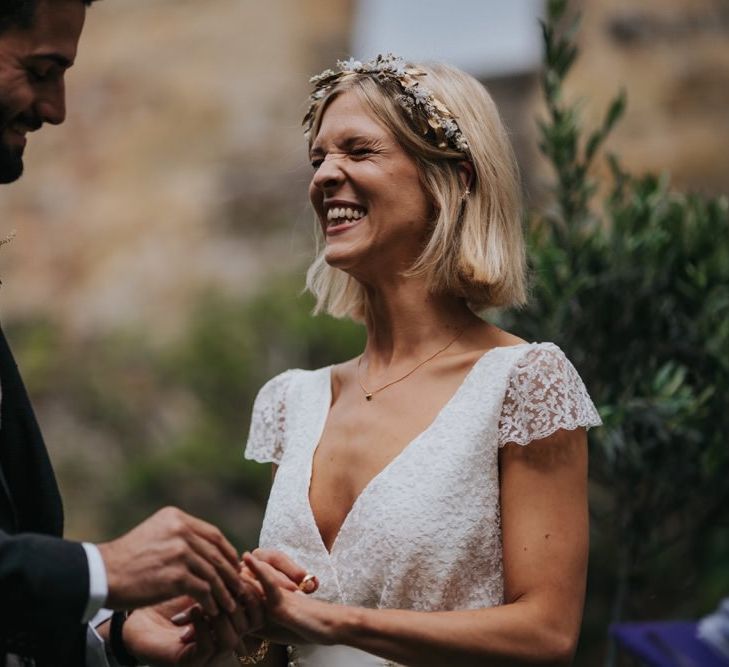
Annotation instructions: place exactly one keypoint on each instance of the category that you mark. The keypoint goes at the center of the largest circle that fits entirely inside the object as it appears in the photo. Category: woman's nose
(329, 174)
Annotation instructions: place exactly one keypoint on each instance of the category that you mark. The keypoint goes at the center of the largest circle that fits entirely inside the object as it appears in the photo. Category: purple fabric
(666, 644)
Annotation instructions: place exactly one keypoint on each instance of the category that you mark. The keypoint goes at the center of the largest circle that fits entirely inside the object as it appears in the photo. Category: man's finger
(225, 575)
(226, 638)
(212, 535)
(203, 645)
(204, 570)
(199, 589)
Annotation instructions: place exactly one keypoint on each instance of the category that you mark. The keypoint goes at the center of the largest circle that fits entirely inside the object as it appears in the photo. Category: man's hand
(168, 555)
(154, 640)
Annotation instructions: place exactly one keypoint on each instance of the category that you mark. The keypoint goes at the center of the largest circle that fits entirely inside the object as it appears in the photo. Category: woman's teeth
(338, 215)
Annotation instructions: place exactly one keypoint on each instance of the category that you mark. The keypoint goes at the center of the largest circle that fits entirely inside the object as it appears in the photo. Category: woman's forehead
(347, 115)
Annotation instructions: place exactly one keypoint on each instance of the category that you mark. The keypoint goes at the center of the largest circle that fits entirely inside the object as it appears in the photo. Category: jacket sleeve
(44, 585)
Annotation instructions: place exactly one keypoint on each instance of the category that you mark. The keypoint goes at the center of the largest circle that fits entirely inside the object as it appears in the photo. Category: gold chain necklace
(369, 394)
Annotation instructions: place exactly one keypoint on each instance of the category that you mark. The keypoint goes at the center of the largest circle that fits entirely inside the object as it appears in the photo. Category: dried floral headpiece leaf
(8, 238)
(428, 114)
(5, 240)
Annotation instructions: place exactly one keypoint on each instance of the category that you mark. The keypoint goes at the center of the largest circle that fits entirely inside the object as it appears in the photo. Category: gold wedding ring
(308, 584)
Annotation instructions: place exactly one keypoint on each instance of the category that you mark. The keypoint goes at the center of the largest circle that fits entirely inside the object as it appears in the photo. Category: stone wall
(672, 57)
(182, 165)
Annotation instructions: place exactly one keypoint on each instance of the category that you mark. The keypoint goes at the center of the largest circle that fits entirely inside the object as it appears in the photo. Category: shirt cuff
(98, 587)
(96, 655)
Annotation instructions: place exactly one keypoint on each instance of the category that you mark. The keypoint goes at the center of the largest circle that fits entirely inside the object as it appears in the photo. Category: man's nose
(51, 107)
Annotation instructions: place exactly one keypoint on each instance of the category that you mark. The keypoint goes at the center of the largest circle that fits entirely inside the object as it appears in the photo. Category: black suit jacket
(44, 579)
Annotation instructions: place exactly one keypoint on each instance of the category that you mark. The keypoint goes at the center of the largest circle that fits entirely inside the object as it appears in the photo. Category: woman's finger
(309, 584)
(249, 578)
(266, 575)
(282, 579)
(281, 562)
(254, 610)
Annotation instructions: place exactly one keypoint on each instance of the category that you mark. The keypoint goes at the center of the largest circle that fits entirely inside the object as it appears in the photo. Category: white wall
(484, 37)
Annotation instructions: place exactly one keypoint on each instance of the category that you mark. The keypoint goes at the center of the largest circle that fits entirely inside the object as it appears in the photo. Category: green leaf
(556, 10)
(615, 111)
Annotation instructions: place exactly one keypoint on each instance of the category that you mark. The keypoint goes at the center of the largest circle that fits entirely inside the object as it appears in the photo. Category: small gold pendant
(368, 397)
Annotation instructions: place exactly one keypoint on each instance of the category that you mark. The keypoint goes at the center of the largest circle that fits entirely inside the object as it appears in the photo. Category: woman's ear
(466, 174)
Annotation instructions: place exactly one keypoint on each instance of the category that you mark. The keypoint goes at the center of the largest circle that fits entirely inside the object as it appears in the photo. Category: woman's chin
(342, 258)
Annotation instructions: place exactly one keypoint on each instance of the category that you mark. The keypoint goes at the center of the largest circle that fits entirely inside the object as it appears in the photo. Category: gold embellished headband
(428, 114)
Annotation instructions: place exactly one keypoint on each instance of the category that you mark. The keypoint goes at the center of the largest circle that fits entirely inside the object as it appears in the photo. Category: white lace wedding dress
(424, 534)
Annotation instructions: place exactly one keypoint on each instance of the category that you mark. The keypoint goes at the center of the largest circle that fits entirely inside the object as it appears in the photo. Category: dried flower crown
(429, 115)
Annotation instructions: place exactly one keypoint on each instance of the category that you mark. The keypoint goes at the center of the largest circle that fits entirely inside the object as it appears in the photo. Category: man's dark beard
(11, 159)
(11, 163)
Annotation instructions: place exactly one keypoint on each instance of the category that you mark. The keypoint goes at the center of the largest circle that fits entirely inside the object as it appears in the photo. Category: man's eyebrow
(57, 58)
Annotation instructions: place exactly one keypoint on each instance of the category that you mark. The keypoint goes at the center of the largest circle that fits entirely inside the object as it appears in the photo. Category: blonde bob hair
(476, 247)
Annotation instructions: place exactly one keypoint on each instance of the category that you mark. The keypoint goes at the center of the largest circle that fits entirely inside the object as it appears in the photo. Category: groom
(50, 587)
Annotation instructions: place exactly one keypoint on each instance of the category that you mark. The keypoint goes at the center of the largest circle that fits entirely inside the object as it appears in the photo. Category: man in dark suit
(51, 587)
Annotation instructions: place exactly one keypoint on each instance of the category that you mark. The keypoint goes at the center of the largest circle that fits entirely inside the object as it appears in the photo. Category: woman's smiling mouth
(341, 218)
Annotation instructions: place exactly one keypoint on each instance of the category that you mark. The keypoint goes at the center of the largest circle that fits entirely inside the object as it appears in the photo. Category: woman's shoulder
(279, 384)
(544, 392)
(267, 435)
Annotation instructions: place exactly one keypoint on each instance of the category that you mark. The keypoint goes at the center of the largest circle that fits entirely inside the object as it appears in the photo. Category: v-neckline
(326, 409)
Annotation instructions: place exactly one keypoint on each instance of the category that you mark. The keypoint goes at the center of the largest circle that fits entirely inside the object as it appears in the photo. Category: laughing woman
(435, 484)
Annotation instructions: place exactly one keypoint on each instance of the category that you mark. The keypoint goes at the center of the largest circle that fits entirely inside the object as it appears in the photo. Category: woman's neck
(405, 322)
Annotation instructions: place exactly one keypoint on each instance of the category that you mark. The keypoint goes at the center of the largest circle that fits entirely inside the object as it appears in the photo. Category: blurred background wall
(162, 231)
(181, 163)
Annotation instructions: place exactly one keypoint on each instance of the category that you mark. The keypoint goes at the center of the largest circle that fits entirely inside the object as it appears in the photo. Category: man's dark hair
(20, 13)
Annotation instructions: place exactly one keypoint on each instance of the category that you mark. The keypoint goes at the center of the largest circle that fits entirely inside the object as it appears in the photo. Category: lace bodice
(424, 534)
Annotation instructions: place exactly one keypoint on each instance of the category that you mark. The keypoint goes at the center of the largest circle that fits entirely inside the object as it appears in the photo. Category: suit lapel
(30, 492)
(8, 512)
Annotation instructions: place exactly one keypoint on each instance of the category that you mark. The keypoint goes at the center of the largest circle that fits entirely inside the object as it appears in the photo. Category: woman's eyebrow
(345, 143)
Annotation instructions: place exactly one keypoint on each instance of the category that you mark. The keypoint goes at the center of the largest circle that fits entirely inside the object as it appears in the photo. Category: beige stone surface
(181, 166)
(672, 58)
(181, 163)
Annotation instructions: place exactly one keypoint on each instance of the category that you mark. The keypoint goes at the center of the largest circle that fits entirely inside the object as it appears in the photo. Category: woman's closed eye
(356, 154)
(360, 153)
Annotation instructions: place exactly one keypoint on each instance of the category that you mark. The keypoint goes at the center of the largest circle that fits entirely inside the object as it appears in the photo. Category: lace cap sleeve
(268, 421)
(544, 394)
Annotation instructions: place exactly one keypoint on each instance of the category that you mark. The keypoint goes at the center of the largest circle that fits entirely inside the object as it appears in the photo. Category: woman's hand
(286, 608)
(250, 617)
(287, 574)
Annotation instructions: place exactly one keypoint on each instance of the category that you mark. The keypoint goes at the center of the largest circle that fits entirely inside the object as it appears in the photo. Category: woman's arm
(545, 543)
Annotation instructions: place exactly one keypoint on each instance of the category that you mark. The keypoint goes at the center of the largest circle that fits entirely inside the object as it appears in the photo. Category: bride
(435, 484)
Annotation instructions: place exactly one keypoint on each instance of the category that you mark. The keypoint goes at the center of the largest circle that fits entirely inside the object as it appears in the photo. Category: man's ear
(466, 174)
